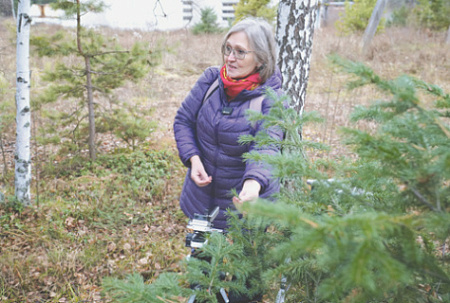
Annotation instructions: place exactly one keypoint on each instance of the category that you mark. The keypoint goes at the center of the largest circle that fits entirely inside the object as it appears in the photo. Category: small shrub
(10, 210)
(129, 122)
(356, 17)
(433, 14)
(255, 8)
(400, 17)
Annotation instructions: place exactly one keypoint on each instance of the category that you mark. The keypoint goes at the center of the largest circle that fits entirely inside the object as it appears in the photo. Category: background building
(146, 14)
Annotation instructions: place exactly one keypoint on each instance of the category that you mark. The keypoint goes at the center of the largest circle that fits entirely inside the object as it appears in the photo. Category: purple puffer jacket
(205, 131)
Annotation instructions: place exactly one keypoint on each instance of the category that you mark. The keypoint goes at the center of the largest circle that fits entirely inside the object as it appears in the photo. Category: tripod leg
(282, 292)
(224, 295)
(280, 296)
(191, 299)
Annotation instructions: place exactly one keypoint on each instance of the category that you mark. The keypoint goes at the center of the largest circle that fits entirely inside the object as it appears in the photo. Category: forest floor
(89, 223)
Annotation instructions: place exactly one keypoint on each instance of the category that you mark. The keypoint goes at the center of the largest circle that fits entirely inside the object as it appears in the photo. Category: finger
(201, 182)
(237, 203)
(246, 197)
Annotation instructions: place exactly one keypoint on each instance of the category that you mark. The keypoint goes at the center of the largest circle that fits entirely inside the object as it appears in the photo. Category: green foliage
(433, 14)
(91, 222)
(88, 66)
(255, 8)
(128, 122)
(42, 1)
(142, 174)
(375, 231)
(111, 68)
(367, 230)
(218, 265)
(10, 209)
(135, 290)
(208, 24)
(356, 17)
(235, 266)
(400, 16)
(70, 7)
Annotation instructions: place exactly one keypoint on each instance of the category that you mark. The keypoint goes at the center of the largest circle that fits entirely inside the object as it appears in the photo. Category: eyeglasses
(238, 53)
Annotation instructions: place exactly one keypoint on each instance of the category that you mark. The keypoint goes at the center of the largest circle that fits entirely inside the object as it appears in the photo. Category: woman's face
(239, 68)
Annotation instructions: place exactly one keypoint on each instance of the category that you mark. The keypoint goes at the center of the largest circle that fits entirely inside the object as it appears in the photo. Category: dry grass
(395, 52)
(81, 252)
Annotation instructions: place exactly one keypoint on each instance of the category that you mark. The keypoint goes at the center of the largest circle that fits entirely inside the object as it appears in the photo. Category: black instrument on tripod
(201, 225)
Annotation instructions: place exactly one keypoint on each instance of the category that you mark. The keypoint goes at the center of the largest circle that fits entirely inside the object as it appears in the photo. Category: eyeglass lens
(238, 53)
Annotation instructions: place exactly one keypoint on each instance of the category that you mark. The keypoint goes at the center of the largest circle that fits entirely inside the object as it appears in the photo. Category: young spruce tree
(88, 68)
(373, 229)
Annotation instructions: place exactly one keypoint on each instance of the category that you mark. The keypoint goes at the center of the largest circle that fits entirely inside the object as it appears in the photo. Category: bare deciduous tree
(373, 24)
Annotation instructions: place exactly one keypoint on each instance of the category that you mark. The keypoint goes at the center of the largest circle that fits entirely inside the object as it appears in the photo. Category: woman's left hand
(249, 192)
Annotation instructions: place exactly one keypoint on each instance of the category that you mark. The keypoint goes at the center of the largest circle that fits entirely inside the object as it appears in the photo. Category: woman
(207, 131)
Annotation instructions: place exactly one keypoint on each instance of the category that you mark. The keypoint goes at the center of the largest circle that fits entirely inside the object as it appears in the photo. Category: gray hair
(262, 41)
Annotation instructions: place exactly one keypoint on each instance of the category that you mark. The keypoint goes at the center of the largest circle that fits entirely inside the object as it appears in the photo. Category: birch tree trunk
(23, 116)
(373, 24)
(295, 29)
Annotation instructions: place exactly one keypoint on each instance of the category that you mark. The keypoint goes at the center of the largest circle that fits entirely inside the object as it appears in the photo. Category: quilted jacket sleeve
(258, 171)
(186, 118)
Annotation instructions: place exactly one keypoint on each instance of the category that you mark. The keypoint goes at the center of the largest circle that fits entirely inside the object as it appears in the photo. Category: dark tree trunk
(90, 98)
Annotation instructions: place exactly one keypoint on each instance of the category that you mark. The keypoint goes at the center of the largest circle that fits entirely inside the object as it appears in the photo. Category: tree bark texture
(92, 152)
(23, 116)
(373, 24)
(90, 98)
(295, 30)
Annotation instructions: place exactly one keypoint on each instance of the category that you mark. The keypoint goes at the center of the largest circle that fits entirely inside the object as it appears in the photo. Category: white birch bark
(23, 116)
(295, 29)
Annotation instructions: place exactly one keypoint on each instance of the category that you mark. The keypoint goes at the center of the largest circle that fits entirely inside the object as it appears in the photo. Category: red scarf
(234, 87)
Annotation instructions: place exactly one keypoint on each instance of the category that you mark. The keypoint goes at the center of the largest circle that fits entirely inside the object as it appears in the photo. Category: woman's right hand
(198, 173)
